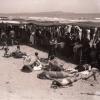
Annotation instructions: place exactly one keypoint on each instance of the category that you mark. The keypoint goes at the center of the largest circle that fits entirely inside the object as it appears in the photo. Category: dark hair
(36, 53)
(18, 46)
(52, 57)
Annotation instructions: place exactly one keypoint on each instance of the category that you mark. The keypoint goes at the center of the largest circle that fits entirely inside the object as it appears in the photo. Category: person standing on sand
(32, 38)
(3, 39)
(52, 47)
(12, 36)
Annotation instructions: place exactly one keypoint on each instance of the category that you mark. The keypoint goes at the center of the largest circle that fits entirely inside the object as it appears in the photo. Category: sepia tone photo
(49, 49)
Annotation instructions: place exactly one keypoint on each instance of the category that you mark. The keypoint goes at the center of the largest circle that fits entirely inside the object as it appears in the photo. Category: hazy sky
(78, 6)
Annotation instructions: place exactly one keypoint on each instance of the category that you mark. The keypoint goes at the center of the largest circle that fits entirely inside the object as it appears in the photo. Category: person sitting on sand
(37, 63)
(54, 65)
(28, 64)
(17, 53)
(6, 53)
(31, 63)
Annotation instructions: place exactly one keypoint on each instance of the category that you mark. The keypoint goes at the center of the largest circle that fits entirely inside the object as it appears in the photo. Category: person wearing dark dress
(3, 39)
(98, 52)
(52, 47)
(85, 51)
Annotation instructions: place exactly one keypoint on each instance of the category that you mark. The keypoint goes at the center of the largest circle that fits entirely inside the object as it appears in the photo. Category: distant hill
(57, 14)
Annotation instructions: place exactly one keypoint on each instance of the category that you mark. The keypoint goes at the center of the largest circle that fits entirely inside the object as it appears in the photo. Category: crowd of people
(80, 44)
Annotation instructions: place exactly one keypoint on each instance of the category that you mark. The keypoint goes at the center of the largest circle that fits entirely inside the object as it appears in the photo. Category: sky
(76, 6)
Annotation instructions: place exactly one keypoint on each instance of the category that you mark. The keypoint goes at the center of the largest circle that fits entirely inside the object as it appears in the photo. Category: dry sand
(17, 85)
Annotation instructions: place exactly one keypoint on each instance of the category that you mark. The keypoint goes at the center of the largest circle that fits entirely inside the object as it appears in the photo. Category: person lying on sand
(54, 75)
(68, 81)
